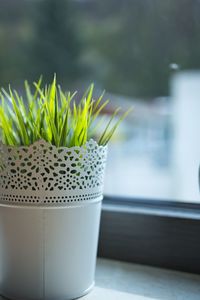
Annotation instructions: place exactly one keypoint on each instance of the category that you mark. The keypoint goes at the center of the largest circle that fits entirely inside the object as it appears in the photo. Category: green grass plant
(49, 113)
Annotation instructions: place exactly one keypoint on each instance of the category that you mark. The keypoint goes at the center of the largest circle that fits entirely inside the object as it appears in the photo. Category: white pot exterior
(48, 253)
(50, 205)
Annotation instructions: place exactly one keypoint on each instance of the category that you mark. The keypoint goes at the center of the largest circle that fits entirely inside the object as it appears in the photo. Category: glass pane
(146, 54)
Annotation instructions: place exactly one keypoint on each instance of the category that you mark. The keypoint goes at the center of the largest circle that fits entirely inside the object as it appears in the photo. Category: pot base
(87, 291)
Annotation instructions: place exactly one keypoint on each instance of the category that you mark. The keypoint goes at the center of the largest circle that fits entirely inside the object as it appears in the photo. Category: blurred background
(146, 54)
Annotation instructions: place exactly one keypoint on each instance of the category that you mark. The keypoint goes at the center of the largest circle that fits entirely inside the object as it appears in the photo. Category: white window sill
(101, 294)
(118, 280)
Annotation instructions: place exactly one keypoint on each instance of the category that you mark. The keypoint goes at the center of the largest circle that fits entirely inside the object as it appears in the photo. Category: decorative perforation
(44, 174)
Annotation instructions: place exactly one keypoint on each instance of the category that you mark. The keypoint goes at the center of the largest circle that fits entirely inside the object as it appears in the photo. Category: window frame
(159, 233)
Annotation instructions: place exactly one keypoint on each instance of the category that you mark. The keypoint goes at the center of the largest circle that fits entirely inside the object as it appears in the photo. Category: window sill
(142, 282)
(101, 293)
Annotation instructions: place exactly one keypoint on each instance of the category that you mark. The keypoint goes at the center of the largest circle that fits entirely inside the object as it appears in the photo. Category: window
(145, 54)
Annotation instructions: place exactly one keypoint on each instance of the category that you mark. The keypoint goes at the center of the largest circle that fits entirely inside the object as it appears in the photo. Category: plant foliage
(51, 114)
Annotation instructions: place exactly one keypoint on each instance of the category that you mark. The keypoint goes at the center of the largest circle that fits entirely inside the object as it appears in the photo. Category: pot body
(48, 253)
(50, 204)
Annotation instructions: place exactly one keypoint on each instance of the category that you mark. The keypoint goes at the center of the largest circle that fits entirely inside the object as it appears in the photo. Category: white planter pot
(49, 232)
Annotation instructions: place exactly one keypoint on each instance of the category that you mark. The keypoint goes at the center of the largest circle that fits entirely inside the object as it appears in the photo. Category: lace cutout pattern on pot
(47, 172)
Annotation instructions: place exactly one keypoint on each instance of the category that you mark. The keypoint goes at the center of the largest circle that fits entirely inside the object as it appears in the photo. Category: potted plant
(51, 184)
